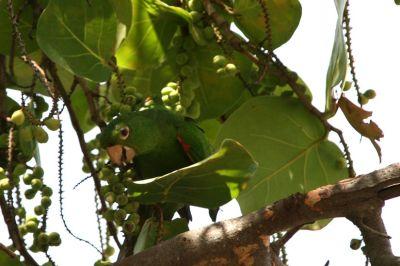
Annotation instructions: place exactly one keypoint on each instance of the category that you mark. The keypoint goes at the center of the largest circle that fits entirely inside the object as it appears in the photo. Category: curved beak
(121, 155)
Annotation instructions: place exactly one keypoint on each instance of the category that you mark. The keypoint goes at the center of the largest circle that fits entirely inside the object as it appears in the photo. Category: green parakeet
(157, 141)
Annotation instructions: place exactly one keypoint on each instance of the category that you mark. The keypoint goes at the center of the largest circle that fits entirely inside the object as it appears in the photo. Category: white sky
(376, 45)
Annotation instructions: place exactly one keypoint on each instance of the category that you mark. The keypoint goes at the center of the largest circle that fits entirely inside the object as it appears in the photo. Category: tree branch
(81, 138)
(220, 243)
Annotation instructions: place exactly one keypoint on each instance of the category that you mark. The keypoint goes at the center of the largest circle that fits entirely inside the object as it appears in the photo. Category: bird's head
(129, 135)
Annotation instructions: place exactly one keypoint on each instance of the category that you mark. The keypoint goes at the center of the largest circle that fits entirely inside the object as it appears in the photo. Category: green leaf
(209, 183)
(211, 128)
(397, 2)
(148, 38)
(26, 21)
(284, 16)
(81, 108)
(290, 145)
(24, 76)
(150, 232)
(79, 37)
(5, 259)
(338, 64)
(217, 93)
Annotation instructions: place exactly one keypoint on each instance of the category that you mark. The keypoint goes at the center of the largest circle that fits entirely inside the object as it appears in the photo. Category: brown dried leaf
(356, 115)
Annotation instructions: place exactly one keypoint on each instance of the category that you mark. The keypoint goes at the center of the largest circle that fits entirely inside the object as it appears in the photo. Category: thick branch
(221, 242)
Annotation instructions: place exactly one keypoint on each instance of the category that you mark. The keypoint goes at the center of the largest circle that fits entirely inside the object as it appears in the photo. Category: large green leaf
(79, 37)
(284, 16)
(338, 65)
(25, 24)
(150, 232)
(147, 40)
(208, 183)
(6, 260)
(217, 93)
(290, 146)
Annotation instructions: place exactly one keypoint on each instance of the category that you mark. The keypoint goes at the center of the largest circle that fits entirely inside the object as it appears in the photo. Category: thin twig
(86, 154)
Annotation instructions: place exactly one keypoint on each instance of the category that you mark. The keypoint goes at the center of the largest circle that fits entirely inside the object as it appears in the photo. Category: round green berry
(186, 71)
(36, 184)
(347, 86)
(110, 197)
(231, 69)
(47, 191)
(22, 229)
(25, 133)
(21, 212)
(370, 94)
(54, 239)
(39, 210)
(120, 215)
(40, 134)
(18, 117)
(52, 124)
(220, 60)
(196, 5)
(182, 59)
(31, 226)
(131, 207)
(30, 193)
(109, 251)
(129, 227)
(122, 199)
(19, 169)
(5, 184)
(45, 202)
(118, 188)
(43, 239)
(109, 215)
(38, 172)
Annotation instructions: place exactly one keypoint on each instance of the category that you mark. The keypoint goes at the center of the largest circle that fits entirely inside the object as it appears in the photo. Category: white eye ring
(124, 133)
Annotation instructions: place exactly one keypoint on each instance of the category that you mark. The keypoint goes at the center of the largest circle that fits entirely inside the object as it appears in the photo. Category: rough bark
(245, 240)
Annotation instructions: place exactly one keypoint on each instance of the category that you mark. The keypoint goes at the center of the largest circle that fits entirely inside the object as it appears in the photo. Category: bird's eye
(124, 133)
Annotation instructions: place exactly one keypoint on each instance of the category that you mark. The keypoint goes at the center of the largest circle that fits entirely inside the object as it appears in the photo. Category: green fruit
(19, 169)
(47, 191)
(363, 100)
(119, 215)
(196, 16)
(25, 133)
(135, 218)
(27, 179)
(45, 202)
(39, 210)
(102, 263)
(30, 193)
(341, 163)
(2, 171)
(109, 251)
(182, 59)
(110, 197)
(221, 71)
(131, 207)
(21, 212)
(54, 239)
(129, 227)
(36, 184)
(130, 90)
(172, 85)
(112, 179)
(31, 226)
(22, 230)
(347, 86)
(122, 199)
(5, 184)
(104, 190)
(166, 91)
(109, 215)
(231, 69)
(370, 94)
(174, 96)
(185, 101)
(179, 109)
(115, 108)
(52, 124)
(220, 60)
(166, 99)
(18, 117)
(38, 172)
(118, 188)
(186, 71)
(40, 134)
(196, 5)
(43, 239)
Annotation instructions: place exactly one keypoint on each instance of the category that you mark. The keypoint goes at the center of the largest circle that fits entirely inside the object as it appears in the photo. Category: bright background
(376, 46)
